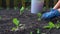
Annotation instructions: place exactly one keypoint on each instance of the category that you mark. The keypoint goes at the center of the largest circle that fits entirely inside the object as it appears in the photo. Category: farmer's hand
(55, 12)
(49, 15)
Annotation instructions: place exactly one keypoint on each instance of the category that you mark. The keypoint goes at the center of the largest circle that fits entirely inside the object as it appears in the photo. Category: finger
(59, 9)
(57, 5)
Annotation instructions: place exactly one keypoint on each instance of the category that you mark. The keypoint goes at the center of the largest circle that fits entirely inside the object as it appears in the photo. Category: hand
(55, 12)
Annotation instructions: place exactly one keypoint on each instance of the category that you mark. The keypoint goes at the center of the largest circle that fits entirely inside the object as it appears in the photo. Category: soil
(30, 21)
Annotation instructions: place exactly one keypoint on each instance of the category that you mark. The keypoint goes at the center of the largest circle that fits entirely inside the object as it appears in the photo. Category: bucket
(36, 6)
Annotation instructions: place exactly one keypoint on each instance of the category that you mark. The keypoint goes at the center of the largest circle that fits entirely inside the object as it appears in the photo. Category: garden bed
(30, 21)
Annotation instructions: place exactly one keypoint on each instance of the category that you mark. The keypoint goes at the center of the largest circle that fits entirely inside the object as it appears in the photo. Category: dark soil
(30, 21)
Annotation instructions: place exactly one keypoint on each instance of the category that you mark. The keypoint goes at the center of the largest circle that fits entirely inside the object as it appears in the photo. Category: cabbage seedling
(38, 31)
(57, 25)
(15, 8)
(16, 22)
(50, 25)
(21, 10)
(39, 16)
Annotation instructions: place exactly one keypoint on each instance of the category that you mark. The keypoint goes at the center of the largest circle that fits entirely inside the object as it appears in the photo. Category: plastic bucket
(36, 6)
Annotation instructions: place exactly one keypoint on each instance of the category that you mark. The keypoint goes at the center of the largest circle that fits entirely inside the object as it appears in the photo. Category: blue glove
(53, 13)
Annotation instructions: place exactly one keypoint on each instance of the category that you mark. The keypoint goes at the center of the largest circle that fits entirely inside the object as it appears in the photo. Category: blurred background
(25, 3)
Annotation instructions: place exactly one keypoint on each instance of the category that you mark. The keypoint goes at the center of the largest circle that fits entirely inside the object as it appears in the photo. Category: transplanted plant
(50, 25)
(15, 8)
(57, 25)
(39, 16)
(16, 22)
(38, 31)
(21, 10)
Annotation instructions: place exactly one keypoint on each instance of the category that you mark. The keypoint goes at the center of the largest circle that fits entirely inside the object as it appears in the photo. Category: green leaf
(13, 29)
(39, 15)
(51, 24)
(47, 27)
(16, 21)
(22, 8)
(57, 25)
(38, 31)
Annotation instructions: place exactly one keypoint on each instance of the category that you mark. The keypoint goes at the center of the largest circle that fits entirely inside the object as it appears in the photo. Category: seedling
(38, 31)
(50, 25)
(39, 16)
(57, 25)
(43, 33)
(16, 22)
(44, 9)
(21, 10)
(13, 29)
(15, 8)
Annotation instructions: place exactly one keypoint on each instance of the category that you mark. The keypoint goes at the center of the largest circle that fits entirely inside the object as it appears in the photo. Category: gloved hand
(49, 15)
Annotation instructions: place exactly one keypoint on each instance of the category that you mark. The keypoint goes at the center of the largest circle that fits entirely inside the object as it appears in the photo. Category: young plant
(44, 8)
(15, 8)
(39, 16)
(57, 25)
(50, 25)
(13, 29)
(16, 22)
(38, 31)
(21, 10)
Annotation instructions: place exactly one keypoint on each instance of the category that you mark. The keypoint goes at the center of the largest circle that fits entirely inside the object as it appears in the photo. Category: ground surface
(30, 21)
